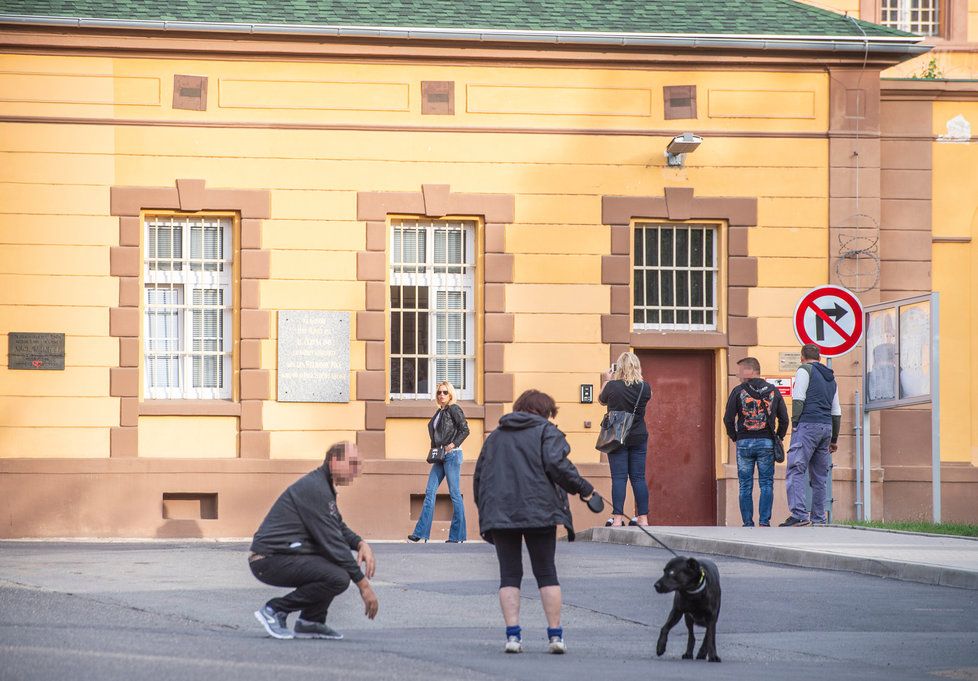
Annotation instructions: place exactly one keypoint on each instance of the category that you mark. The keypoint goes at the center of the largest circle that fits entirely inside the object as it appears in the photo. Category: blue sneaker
(274, 622)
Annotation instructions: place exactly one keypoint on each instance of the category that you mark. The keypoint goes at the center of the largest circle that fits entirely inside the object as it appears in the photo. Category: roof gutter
(895, 45)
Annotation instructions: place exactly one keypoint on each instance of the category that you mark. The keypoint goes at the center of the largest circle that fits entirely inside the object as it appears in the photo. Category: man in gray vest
(816, 417)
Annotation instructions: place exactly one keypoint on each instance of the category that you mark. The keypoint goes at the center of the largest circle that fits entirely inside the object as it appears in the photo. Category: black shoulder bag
(615, 426)
(438, 454)
(778, 442)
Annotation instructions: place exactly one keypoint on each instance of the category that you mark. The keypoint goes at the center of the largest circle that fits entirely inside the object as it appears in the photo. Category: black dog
(697, 587)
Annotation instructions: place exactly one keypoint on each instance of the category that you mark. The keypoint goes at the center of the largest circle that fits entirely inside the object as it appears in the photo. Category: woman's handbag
(615, 426)
(436, 455)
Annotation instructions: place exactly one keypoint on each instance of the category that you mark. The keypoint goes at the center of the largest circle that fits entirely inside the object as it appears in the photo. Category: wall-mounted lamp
(681, 145)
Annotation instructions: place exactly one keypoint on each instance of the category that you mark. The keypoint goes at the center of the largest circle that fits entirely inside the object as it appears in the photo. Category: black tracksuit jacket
(305, 519)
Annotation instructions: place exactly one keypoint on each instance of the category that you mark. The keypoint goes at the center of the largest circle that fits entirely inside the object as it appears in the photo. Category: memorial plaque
(313, 356)
(36, 351)
(788, 362)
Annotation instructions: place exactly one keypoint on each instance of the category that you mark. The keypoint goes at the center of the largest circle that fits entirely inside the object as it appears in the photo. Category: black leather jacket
(452, 427)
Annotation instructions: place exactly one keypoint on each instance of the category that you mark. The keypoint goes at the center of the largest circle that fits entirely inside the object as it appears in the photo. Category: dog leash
(654, 538)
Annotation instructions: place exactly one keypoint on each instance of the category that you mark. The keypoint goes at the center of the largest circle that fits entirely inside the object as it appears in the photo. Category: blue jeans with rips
(759, 452)
(451, 469)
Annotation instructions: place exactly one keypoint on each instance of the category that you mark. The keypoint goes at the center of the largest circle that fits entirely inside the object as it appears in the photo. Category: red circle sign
(830, 317)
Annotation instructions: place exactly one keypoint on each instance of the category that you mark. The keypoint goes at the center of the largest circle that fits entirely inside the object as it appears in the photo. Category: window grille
(675, 277)
(913, 16)
(187, 308)
(432, 291)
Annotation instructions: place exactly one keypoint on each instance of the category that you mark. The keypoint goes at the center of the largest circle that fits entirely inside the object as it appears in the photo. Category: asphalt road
(110, 612)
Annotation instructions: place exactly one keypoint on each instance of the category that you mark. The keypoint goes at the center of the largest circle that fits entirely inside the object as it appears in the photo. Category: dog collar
(701, 585)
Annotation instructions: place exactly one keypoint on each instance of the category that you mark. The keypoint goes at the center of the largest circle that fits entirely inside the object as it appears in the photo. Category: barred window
(187, 310)
(432, 291)
(913, 16)
(675, 277)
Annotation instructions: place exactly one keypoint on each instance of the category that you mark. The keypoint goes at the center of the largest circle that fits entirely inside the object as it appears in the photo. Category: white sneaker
(557, 646)
(514, 645)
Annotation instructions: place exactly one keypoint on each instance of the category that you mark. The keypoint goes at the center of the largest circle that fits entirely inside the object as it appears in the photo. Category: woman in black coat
(521, 483)
(447, 428)
(626, 390)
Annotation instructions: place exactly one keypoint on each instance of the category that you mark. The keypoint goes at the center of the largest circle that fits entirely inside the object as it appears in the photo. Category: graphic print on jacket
(755, 405)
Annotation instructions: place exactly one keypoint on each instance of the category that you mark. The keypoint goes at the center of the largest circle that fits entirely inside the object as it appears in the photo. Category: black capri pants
(541, 543)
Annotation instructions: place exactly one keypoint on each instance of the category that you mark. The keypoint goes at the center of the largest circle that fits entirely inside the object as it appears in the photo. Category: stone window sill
(694, 340)
(189, 408)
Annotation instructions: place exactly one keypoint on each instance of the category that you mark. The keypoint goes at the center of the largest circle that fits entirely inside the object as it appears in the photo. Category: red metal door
(681, 469)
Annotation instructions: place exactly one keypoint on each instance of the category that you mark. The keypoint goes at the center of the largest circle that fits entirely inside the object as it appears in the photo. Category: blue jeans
(628, 463)
(451, 469)
(760, 452)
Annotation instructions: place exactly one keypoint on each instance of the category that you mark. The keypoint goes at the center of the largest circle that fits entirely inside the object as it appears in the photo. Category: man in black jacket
(303, 543)
(751, 410)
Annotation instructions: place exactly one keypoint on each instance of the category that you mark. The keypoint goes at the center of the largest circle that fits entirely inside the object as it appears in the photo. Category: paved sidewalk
(928, 559)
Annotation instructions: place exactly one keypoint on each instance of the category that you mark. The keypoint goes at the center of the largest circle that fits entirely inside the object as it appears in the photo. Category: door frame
(736, 330)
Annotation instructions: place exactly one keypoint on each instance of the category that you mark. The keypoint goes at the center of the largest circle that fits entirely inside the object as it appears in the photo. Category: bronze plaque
(42, 351)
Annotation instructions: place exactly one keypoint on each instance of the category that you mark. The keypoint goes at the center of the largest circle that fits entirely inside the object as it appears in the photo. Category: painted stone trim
(189, 195)
(433, 201)
(678, 203)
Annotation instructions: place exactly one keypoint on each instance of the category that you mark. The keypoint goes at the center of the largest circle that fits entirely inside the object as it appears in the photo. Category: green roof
(680, 17)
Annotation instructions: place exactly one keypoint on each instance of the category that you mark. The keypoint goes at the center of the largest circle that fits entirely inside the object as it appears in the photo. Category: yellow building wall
(955, 276)
(954, 61)
(56, 235)
(188, 437)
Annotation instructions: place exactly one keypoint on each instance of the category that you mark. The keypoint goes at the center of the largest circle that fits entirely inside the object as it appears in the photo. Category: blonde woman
(625, 390)
(447, 428)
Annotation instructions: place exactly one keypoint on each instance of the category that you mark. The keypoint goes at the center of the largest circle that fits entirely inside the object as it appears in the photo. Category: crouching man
(304, 544)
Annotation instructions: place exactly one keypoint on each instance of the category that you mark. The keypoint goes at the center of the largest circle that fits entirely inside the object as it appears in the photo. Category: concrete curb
(785, 555)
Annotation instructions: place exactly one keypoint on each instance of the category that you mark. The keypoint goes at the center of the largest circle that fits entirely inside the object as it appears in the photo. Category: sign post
(830, 317)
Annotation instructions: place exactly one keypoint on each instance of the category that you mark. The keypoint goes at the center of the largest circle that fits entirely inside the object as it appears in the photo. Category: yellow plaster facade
(316, 134)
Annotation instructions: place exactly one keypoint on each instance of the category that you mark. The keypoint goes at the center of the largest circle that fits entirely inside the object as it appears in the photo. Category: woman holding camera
(448, 429)
(625, 390)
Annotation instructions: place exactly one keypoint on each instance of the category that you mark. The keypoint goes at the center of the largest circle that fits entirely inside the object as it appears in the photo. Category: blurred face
(745, 373)
(346, 467)
(441, 395)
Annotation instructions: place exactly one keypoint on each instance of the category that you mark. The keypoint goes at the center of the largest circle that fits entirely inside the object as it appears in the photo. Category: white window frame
(710, 264)
(436, 281)
(905, 22)
(180, 276)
